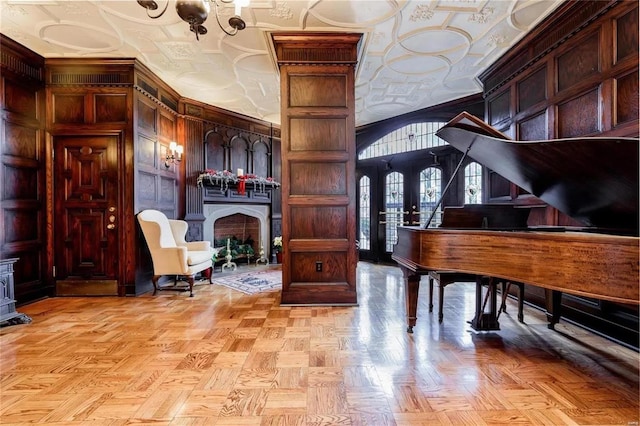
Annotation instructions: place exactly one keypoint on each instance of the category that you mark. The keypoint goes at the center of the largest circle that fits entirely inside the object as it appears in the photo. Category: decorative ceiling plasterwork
(414, 54)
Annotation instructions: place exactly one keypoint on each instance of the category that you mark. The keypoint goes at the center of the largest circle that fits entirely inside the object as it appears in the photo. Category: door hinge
(54, 272)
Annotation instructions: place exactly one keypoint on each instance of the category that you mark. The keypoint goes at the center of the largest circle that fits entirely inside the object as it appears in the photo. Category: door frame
(410, 164)
(119, 186)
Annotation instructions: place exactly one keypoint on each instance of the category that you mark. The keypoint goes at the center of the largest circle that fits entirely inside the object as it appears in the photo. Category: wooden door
(86, 215)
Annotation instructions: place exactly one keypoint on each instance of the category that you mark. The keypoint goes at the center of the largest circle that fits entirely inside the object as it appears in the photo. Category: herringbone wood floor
(225, 358)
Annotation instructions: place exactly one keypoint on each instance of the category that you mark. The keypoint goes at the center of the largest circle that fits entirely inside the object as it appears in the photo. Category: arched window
(430, 192)
(364, 213)
(473, 183)
(394, 202)
(412, 137)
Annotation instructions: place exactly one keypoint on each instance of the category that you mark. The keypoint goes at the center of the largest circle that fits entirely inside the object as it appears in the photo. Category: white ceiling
(414, 54)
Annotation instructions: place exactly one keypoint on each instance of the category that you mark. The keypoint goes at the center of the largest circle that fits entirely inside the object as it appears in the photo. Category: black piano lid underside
(591, 179)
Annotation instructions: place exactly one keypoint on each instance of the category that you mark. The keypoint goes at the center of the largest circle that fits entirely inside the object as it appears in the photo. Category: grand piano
(593, 180)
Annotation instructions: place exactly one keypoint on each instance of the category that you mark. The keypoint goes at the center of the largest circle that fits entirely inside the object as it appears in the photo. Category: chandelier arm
(218, 19)
(194, 29)
(166, 5)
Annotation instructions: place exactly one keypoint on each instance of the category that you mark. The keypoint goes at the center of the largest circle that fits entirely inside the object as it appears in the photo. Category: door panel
(393, 213)
(367, 213)
(86, 215)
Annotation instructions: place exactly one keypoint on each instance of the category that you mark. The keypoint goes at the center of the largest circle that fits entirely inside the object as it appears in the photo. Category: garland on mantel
(222, 179)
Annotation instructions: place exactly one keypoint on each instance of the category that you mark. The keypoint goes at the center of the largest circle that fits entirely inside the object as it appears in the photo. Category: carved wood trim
(21, 61)
(157, 101)
(89, 79)
(18, 66)
(316, 48)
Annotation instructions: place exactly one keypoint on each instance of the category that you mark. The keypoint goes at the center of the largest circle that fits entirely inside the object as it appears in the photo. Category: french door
(405, 194)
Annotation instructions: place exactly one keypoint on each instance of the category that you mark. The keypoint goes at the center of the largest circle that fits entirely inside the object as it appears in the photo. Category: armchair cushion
(196, 257)
(199, 246)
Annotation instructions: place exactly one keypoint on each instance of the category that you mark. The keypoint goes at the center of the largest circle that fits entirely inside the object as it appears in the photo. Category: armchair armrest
(170, 261)
(198, 246)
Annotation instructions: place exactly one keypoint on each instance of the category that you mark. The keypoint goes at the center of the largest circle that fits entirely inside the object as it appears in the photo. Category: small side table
(8, 312)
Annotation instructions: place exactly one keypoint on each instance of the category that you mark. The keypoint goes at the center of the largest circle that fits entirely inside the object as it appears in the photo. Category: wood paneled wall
(223, 140)
(317, 74)
(23, 195)
(575, 75)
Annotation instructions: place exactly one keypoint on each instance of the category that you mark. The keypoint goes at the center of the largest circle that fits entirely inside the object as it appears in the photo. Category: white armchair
(170, 253)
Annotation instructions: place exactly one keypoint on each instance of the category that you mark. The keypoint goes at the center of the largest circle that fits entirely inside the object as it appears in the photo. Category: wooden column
(317, 75)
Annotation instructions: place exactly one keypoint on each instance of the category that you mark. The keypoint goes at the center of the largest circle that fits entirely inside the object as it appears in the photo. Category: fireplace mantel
(231, 194)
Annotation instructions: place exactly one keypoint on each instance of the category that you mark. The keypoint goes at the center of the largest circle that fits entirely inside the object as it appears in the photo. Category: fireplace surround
(213, 212)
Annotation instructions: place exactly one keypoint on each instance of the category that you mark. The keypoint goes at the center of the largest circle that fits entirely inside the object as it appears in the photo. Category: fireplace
(214, 212)
(244, 228)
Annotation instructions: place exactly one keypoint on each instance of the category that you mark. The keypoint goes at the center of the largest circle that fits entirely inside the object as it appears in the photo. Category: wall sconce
(195, 12)
(174, 155)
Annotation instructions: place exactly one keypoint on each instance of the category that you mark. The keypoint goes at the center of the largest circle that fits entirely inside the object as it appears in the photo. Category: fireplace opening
(260, 233)
(242, 228)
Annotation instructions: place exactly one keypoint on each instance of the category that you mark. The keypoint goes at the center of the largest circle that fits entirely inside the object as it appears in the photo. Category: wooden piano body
(599, 261)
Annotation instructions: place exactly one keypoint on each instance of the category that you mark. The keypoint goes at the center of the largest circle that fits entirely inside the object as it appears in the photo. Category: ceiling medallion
(282, 11)
(422, 12)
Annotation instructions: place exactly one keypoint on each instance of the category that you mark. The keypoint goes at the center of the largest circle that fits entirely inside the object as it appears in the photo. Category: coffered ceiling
(413, 54)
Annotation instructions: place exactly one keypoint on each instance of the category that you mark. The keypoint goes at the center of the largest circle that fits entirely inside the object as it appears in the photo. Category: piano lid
(591, 179)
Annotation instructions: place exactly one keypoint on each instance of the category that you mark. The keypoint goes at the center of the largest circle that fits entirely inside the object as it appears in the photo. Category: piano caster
(410, 329)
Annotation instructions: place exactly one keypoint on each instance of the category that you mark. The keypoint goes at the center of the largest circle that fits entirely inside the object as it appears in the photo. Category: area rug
(251, 282)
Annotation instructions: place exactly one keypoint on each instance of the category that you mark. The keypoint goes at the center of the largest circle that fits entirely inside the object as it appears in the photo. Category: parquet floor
(225, 358)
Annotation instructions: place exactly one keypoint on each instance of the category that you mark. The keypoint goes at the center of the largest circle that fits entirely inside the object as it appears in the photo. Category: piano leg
(430, 294)
(554, 308)
(411, 287)
(520, 302)
(489, 320)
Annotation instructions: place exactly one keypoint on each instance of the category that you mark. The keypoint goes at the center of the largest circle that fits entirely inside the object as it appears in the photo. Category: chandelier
(195, 12)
